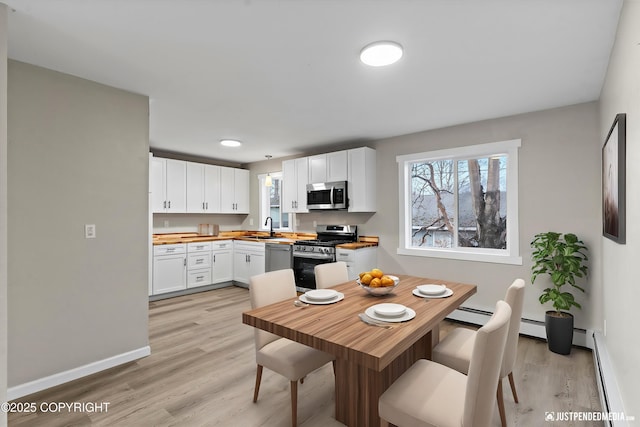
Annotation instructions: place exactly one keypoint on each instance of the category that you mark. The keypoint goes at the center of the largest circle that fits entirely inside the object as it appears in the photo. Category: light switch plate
(89, 231)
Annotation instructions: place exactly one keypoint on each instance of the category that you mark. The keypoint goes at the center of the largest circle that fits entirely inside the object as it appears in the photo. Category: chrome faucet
(270, 226)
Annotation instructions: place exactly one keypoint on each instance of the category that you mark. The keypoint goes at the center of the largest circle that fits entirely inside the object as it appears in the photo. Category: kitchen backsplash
(185, 223)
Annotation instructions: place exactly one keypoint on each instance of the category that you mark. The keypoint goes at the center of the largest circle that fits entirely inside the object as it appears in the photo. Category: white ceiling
(284, 75)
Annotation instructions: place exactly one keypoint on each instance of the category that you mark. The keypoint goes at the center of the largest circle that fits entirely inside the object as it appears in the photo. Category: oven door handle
(331, 196)
(313, 256)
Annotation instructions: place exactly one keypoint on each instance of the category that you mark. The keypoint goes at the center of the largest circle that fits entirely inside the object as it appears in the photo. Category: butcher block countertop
(252, 236)
(283, 238)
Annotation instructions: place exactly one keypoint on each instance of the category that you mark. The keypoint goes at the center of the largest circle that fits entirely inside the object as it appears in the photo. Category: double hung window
(461, 203)
(270, 203)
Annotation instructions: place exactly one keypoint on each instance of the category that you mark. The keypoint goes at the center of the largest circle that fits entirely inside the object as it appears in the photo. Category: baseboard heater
(528, 327)
(610, 398)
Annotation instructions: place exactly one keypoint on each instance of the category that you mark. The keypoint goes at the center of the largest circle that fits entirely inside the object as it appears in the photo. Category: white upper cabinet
(195, 188)
(169, 185)
(295, 174)
(337, 166)
(178, 186)
(212, 188)
(234, 190)
(328, 167)
(361, 185)
(203, 188)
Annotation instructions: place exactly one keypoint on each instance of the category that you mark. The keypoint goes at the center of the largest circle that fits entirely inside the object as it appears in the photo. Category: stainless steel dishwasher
(277, 256)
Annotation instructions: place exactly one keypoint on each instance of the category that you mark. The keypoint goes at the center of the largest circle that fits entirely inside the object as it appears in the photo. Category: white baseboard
(75, 373)
(532, 328)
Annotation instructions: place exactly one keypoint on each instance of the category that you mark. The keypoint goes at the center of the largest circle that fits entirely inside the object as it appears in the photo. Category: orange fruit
(366, 279)
(387, 281)
(375, 283)
(377, 273)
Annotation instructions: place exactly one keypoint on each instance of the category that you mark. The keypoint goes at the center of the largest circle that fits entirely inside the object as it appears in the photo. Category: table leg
(358, 388)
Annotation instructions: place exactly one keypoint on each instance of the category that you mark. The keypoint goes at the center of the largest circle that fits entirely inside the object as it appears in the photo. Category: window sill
(462, 255)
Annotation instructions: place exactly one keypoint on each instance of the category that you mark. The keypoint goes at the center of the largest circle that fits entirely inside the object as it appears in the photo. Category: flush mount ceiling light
(379, 54)
(230, 143)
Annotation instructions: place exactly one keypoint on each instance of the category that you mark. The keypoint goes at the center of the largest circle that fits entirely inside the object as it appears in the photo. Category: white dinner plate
(321, 294)
(338, 297)
(389, 309)
(432, 290)
(408, 315)
(446, 294)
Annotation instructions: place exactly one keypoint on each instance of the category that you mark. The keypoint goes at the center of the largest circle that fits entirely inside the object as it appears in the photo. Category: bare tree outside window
(479, 188)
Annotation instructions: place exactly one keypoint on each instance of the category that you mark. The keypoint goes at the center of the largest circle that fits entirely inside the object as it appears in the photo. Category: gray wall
(3, 210)
(78, 154)
(559, 190)
(621, 291)
(559, 173)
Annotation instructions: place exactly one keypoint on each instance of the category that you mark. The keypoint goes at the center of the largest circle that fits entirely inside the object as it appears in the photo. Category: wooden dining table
(368, 358)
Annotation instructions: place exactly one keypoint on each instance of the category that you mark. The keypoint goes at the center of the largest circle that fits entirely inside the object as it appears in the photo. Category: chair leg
(257, 387)
(503, 417)
(294, 403)
(513, 387)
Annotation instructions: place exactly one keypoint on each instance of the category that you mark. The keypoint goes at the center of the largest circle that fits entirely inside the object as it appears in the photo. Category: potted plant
(563, 258)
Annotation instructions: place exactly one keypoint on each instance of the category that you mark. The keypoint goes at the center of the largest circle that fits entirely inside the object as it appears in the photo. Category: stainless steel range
(309, 253)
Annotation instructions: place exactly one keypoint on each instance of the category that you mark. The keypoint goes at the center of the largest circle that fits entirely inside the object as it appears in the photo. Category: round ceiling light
(379, 54)
(230, 143)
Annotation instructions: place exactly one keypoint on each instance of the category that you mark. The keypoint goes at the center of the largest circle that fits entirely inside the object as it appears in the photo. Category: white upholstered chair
(456, 347)
(288, 358)
(331, 274)
(431, 394)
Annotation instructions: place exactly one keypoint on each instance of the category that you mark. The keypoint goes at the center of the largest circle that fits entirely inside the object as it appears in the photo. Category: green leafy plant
(563, 258)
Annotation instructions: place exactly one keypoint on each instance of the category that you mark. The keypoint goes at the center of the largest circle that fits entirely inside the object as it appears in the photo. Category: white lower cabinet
(197, 278)
(358, 260)
(222, 261)
(169, 268)
(248, 260)
(198, 264)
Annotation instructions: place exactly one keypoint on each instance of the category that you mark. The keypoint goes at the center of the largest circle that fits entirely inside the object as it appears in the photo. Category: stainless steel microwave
(327, 195)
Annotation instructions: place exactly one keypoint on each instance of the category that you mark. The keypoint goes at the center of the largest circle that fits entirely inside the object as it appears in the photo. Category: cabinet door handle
(214, 258)
(207, 205)
(185, 262)
(169, 204)
(164, 204)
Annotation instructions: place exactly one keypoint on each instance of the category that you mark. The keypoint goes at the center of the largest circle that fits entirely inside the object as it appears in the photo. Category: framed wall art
(613, 181)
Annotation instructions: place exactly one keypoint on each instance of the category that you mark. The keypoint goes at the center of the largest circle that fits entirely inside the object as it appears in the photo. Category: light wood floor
(201, 372)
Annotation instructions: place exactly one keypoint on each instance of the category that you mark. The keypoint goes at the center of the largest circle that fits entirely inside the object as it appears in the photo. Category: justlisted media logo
(548, 416)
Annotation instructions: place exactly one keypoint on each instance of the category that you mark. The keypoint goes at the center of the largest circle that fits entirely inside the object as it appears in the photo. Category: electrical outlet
(166, 223)
(89, 231)
(250, 221)
(315, 224)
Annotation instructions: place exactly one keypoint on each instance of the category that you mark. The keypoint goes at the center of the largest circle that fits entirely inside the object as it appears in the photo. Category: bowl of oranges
(376, 282)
